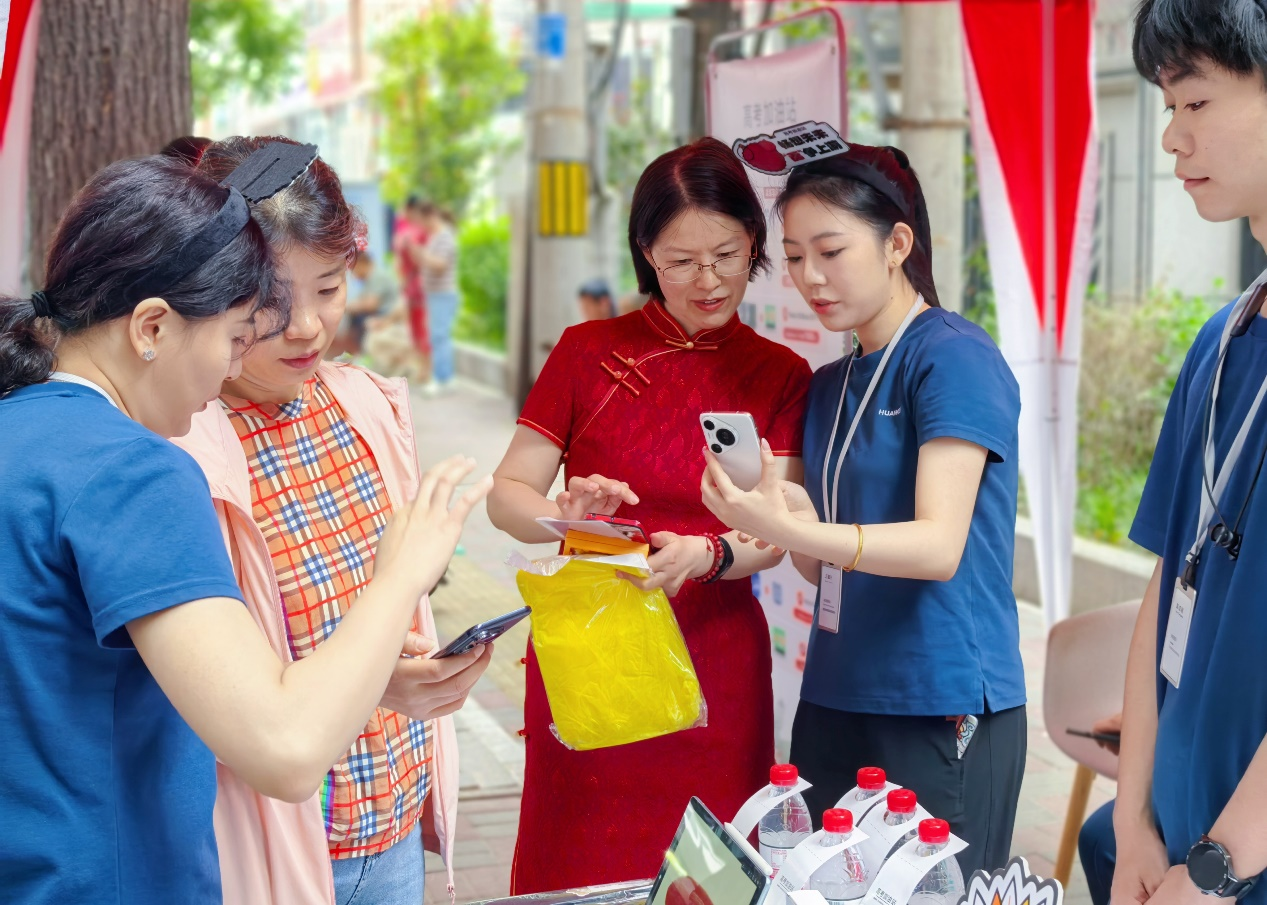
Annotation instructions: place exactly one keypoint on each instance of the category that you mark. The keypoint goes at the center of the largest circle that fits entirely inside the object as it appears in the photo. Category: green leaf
(443, 77)
(483, 275)
(240, 44)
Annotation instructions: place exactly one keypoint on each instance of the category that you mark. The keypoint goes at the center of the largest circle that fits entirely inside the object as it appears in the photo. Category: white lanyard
(1209, 496)
(65, 377)
(830, 505)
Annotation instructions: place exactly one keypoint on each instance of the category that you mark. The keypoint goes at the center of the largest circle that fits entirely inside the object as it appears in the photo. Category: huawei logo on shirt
(891, 413)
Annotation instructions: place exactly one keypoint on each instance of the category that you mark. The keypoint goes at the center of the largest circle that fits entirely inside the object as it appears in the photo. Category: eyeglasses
(689, 271)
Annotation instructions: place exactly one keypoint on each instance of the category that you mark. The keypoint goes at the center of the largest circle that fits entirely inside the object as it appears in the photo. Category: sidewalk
(481, 586)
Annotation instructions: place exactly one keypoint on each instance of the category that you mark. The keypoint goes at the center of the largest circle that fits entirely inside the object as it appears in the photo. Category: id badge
(829, 598)
(1182, 604)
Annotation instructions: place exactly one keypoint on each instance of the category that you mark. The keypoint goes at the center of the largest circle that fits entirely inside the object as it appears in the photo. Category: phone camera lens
(716, 447)
(725, 437)
(708, 426)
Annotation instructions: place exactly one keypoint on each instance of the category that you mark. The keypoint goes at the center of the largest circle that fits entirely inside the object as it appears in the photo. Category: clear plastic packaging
(612, 657)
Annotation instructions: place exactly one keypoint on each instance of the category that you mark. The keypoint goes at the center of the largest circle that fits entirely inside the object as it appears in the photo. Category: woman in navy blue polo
(907, 517)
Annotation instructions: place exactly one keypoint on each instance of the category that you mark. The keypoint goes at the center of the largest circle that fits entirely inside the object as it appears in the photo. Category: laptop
(709, 864)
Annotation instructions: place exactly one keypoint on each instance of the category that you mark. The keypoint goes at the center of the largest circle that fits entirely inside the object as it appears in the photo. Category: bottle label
(775, 857)
(899, 876)
(809, 856)
(884, 837)
(756, 807)
(859, 808)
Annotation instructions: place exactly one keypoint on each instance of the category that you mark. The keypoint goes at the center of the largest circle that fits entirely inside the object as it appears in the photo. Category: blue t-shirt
(1210, 727)
(106, 792)
(910, 647)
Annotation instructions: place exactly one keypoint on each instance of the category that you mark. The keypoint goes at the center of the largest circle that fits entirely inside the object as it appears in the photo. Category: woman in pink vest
(307, 459)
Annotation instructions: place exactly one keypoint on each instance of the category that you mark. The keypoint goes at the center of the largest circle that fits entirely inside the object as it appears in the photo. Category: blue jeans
(392, 877)
(442, 309)
(1098, 848)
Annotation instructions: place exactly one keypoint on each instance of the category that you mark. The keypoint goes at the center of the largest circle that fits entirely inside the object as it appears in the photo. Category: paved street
(480, 586)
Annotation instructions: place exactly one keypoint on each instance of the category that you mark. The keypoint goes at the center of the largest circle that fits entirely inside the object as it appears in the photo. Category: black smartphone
(1113, 738)
(483, 633)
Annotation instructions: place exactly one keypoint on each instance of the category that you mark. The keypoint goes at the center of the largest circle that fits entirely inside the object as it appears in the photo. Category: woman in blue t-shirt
(907, 517)
(128, 663)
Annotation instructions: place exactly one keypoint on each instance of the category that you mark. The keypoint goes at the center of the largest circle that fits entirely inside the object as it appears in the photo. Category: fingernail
(765, 444)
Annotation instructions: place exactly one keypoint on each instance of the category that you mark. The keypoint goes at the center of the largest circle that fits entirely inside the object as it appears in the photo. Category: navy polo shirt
(909, 647)
(106, 792)
(1209, 728)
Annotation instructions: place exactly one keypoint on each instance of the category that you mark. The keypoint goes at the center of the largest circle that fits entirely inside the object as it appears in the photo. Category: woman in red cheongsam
(618, 404)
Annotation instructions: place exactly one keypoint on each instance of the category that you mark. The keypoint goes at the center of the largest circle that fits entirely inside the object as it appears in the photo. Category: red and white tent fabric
(19, 27)
(1031, 96)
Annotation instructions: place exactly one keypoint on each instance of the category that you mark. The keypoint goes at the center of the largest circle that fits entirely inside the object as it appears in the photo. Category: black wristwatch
(1210, 869)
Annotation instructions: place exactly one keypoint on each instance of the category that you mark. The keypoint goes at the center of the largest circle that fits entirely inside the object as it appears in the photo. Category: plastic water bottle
(785, 825)
(900, 809)
(943, 885)
(871, 782)
(844, 877)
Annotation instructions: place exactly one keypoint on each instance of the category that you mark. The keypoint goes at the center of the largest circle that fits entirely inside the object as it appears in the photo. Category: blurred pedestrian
(372, 293)
(438, 260)
(407, 242)
(631, 302)
(595, 300)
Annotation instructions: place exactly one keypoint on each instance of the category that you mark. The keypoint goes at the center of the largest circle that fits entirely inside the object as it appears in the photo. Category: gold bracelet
(857, 559)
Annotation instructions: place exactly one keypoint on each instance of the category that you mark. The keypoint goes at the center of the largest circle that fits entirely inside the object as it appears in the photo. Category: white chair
(1085, 681)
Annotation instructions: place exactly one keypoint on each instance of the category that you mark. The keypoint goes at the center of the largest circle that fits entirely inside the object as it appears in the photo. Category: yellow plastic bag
(614, 663)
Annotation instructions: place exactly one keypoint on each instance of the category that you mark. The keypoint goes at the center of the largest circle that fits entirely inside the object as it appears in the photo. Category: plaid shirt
(319, 499)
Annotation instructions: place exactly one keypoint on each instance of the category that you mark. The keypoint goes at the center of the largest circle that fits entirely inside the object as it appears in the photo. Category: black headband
(262, 175)
(868, 174)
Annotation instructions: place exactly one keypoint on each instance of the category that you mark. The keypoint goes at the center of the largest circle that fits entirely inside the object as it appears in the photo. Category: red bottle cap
(934, 832)
(838, 820)
(871, 779)
(902, 801)
(783, 775)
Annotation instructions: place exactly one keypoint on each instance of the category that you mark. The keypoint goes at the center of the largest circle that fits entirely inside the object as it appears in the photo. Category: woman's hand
(1177, 888)
(678, 558)
(755, 513)
(798, 503)
(799, 506)
(1142, 866)
(422, 535)
(593, 494)
(1111, 725)
(423, 689)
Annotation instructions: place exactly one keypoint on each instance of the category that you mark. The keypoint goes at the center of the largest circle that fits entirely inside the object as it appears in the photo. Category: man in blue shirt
(1191, 813)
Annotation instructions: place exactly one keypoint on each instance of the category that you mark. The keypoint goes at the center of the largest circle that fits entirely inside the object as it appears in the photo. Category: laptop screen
(706, 866)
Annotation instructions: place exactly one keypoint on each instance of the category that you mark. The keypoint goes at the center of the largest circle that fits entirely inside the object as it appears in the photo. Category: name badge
(1182, 603)
(829, 598)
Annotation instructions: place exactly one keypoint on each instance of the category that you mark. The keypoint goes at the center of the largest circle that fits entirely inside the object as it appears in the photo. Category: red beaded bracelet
(715, 547)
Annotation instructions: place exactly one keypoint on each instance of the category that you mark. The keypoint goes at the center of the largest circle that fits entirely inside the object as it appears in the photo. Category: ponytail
(918, 265)
(26, 344)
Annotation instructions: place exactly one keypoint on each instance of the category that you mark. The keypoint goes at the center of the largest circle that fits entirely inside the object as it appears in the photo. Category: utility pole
(933, 129)
(710, 18)
(558, 213)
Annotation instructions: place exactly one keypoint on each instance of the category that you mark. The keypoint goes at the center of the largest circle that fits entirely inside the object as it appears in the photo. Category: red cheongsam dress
(622, 398)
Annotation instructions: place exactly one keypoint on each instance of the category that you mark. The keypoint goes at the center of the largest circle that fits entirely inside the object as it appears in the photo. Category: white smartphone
(732, 436)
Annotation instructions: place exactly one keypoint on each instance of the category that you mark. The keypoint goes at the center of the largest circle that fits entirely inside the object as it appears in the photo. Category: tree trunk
(934, 132)
(711, 18)
(111, 81)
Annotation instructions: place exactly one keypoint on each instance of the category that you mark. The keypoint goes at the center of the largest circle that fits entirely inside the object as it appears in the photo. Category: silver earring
(148, 355)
